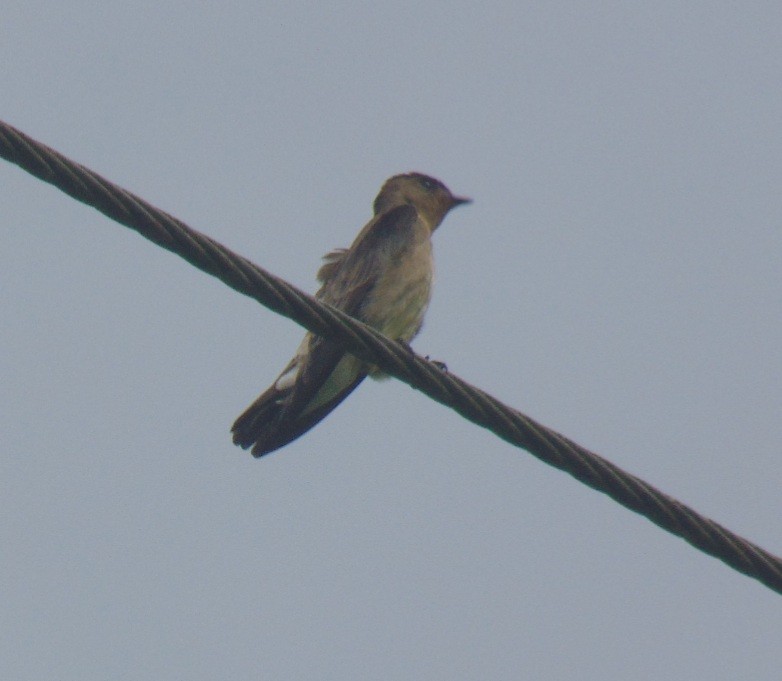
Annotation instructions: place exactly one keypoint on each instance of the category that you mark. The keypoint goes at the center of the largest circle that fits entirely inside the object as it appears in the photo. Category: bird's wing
(356, 271)
(331, 262)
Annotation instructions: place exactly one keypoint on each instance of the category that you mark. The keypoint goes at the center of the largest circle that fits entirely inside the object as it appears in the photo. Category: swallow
(384, 280)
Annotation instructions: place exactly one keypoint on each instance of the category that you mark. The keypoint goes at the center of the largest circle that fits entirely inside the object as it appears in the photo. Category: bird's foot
(442, 366)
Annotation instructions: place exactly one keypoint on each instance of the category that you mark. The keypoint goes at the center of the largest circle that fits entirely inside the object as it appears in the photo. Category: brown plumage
(384, 279)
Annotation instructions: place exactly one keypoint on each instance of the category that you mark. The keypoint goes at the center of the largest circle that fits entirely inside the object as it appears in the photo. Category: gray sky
(617, 278)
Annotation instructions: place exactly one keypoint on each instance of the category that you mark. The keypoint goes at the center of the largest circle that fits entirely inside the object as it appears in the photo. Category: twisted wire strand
(394, 358)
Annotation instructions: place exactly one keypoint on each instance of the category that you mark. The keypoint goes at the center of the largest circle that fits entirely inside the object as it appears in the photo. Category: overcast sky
(618, 277)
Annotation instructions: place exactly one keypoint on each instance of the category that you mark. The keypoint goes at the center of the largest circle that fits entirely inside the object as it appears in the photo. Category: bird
(384, 280)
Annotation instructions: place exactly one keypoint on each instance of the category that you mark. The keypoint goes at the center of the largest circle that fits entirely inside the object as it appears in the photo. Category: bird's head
(430, 197)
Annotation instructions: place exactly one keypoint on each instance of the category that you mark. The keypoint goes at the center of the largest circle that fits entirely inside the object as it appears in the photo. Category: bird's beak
(459, 200)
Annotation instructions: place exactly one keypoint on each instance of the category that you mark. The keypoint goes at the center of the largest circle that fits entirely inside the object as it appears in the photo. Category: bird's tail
(269, 423)
(257, 422)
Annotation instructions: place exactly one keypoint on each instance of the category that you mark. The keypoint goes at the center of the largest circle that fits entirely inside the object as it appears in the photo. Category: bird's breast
(399, 300)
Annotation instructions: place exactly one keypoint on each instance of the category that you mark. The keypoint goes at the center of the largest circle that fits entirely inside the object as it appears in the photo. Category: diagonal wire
(395, 359)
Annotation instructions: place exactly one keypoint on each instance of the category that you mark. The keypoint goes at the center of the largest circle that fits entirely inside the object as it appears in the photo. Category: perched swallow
(384, 279)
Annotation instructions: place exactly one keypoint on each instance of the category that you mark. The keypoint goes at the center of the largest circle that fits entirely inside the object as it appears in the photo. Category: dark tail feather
(265, 425)
(259, 416)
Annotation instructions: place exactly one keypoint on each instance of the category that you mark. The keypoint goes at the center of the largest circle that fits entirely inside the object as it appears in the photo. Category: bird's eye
(427, 183)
